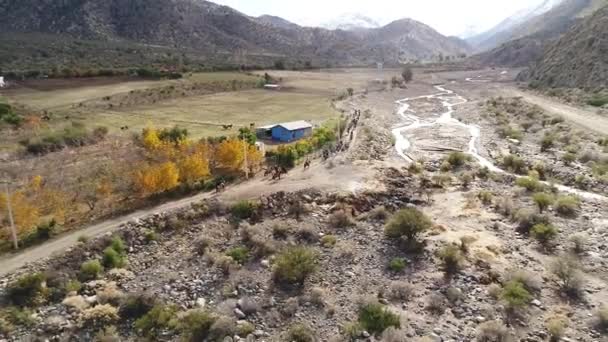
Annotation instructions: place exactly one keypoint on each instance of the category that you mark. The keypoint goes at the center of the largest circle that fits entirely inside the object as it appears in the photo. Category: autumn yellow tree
(254, 158)
(25, 213)
(156, 178)
(229, 154)
(150, 138)
(168, 176)
(193, 167)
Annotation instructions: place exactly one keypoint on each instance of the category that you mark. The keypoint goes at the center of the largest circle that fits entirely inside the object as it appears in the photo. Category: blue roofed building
(291, 131)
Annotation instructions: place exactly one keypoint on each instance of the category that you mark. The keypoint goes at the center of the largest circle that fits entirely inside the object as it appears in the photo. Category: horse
(267, 171)
(220, 186)
(227, 127)
(306, 164)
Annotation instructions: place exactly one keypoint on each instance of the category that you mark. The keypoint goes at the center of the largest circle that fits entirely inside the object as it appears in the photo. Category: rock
(239, 314)
(265, 263)
(436, 338)
(536, 303)
(227, 339)
(201, 302)
(91, 299)
(480, 319)
(365, 334)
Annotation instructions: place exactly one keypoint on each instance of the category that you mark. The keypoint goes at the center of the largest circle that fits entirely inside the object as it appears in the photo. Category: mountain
(277, 22)
(351, 22)
(579, 59)
(525, 42)
(72, 32)
(502, 32)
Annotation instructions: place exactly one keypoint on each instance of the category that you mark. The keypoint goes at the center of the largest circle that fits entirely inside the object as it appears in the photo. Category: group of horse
(276, 172)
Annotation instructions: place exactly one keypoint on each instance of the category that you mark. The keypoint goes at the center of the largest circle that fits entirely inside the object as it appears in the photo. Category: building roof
(295, 125)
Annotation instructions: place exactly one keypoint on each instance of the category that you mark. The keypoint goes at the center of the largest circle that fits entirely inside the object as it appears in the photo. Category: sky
(449, 17)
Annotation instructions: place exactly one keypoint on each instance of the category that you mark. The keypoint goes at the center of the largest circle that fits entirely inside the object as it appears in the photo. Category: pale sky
(450, 17)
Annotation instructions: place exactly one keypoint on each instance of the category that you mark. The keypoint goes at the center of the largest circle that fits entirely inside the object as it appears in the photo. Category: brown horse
(307, 164)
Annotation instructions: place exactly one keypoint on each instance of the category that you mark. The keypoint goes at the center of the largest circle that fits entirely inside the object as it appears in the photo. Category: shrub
(243, 210)
(579, 243)
(505, 206)
(108, 334)
(239, 254)
(515, 164)
(118, 245)
(556, 326)
(112, 259)
(28, 290)
(391, 334)
(515, 295)
(90, 270)
(602, 318)
(137, 305)
(457, 159)
(569, 277)
(294, 265)
(100, 315)
(567, 206)
(402, 290)
(544, 233)
(435, 304)
(300, 333)
(196, 324)
(397, 264)
(297, 209)
(279, 231)
(492, 331)
(201, 245)
(244, 328)
(528, 279)
(328, 241)
(159, 318)
(529, 183)
(72, 286)
(378, 214)
(527, 219)
(340, 219)
(598, 101)
(407, 223)
(222, 327)
(543, 200)
(452, 259)
(485, 197)
(375, 318)
(83, 239)
(465, 179)
(14, 316)
(547, 142)
(569, 158)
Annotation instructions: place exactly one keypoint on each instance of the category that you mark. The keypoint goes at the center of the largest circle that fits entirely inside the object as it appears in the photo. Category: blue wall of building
(281, 133)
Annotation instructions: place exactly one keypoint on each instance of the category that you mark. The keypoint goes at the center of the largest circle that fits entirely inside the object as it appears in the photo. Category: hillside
(524, 43)
(578, 59)
(205, 31)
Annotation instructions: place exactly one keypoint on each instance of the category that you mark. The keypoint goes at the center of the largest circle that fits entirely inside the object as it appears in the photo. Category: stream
(449, 100)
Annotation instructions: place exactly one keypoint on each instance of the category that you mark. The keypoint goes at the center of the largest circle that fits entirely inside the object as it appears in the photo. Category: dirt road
(583, 118)
(340, 178)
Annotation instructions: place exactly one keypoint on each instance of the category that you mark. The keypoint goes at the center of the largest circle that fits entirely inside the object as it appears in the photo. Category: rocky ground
(480, 270)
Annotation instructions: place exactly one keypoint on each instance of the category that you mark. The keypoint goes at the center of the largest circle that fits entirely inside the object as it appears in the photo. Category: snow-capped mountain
(350, 22)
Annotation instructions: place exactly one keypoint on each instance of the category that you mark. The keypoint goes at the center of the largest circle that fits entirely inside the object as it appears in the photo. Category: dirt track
(583, 118)
(318, 176)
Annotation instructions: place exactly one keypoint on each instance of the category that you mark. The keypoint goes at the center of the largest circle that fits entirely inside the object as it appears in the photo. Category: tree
(25, 213)
(168, 176)
(230, 154)
(248, 135)
(150, 138)
(193, 168)
(407, 74)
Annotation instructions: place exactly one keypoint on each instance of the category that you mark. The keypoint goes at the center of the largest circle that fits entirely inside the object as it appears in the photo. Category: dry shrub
(307, 234)
(100, 315)
(340, 219)
(378, 214)
(110, 294)
(401, 290)
(579, 243)
(436, 304)
(493, 331)
(556, 326)
(529, 280)
(569, 278)
(317, 296)
(392, 334)
(108, 334)
(290, 307)
(76, 302)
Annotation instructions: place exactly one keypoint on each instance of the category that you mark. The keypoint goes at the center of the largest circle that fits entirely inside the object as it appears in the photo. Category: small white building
(272, 87)
(2, 84)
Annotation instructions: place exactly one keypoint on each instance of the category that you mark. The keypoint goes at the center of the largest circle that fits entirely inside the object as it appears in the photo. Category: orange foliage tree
(193, 168)
(25, 213)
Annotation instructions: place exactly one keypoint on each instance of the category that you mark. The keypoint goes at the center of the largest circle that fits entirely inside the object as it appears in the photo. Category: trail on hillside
(449, 100)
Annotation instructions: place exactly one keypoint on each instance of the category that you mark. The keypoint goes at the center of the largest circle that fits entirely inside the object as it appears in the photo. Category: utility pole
(10, 216)
(245, 146)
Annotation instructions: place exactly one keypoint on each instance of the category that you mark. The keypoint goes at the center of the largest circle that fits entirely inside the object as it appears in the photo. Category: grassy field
(204, 115)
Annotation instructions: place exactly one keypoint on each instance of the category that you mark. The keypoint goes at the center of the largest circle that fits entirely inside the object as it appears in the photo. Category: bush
(465, 179)
(340, 219)
(544, 233)
(529, 280)
(569, 277)
(492, 331)
(279, 231)
(397, 264)
(402, 290)
(543, 200)
(407, 223)
(108, 334)
(160, 318)
(598, 101)
(569, 158)
(243, 210)
(100, 315)
(457, 159)
(239, 254)
(201, 245)
(515, 164)
(137, 305)
(579, 243)
(529, 183)
(436, 304)
(375, 318)
(547, 142)
(28, 290)
(196, 324)
(328, 241)
(300, 333)
(297, 209)
(14, 316)
(452, 259)
(378, 214)
(515, 295)
(527, 219)
(556, 326)
(602, 318)
(90, 270)
(567, 206)
(485, 197)
(294, 265)
(112, 259)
